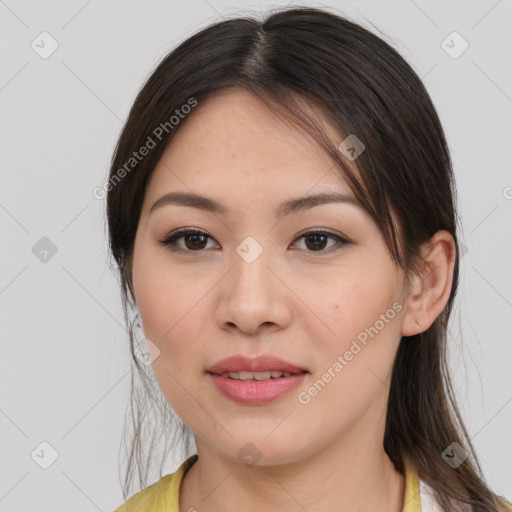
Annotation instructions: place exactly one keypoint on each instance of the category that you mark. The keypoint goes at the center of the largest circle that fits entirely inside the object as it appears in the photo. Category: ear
(430, 290)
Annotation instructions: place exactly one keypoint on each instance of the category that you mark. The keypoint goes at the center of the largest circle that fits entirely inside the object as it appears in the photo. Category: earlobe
(430, 290)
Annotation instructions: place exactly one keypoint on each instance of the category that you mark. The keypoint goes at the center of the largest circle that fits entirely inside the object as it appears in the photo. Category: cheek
(347, 306)
(360, 322)
(172, 315)
(175, 327)
(163, 296)
(353, 365)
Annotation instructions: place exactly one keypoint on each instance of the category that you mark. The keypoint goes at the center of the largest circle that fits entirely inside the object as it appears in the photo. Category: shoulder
(507, 505)
(429, 503)
(149, 498)
(160, 496)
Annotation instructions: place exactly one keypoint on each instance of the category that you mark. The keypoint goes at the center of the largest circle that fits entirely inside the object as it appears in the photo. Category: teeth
(255, 375)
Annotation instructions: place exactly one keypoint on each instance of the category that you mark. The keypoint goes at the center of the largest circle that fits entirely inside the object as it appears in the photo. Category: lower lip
(253, 392)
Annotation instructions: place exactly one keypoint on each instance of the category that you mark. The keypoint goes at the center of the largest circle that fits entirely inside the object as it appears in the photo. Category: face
(315, 287)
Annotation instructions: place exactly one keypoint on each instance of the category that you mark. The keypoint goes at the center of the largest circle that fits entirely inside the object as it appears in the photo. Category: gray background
(64, 365)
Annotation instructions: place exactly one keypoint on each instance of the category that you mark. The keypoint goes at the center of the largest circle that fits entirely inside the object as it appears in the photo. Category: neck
(360, 480)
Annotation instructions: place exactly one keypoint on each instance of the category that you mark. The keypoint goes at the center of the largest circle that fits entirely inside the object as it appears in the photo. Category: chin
(254, 451)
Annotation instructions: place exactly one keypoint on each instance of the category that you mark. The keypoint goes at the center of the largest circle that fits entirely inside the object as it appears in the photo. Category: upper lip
(261, 363)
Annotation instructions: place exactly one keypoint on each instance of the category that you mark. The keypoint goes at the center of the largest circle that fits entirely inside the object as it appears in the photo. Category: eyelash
(170, 241)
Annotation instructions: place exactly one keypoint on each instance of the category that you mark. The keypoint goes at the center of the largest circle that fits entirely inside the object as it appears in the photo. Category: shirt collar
(412, 498)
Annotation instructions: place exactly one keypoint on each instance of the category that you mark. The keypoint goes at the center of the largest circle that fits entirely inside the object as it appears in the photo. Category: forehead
(233, 141)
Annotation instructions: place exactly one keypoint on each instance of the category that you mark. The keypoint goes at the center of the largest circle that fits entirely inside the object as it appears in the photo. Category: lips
(261, 363)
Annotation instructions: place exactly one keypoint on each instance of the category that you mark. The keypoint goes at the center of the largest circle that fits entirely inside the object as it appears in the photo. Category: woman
(280, 207)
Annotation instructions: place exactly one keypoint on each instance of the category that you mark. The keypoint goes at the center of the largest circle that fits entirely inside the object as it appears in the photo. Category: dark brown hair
(297, 59)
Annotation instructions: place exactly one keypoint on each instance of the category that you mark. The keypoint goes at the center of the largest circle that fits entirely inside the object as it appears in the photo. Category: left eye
(317, 240)
(195, 240)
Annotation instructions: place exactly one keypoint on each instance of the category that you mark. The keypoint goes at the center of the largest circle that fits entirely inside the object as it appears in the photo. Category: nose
(253, 296)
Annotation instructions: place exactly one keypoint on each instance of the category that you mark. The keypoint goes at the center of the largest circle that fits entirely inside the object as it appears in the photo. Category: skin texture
(299, 303)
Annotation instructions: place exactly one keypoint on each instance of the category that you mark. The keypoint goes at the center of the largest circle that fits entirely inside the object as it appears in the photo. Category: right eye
(194, 240)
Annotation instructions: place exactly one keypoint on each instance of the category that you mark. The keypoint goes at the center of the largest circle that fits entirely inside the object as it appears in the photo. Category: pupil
(315, 237)
(192, 236)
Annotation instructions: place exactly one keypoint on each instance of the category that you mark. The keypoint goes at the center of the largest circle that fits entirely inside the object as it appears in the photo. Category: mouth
(262, 367)
(257, 388)
(258, 376)
(256, 380)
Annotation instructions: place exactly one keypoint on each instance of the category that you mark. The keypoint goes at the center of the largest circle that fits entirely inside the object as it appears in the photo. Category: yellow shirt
(163, 496)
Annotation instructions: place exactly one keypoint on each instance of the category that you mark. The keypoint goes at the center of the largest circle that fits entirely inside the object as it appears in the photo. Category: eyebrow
(291, 206)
